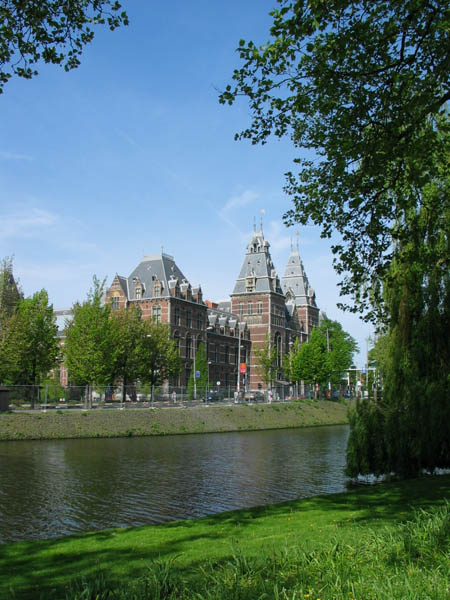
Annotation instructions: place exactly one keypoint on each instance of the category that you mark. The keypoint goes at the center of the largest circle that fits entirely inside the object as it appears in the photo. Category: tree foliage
(201, 364)
(362, 86)
(88, 345)
(127, 333)
(29, 348)
(159, 355)
(10, 293)
(326, 356)
(267, 358)
(52, 31)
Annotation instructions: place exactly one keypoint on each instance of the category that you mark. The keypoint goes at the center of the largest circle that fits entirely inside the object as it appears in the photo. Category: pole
(195, 375)
(238, 383)
(328, 350)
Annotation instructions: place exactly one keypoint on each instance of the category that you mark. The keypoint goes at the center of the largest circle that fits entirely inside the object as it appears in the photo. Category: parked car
(213, 397)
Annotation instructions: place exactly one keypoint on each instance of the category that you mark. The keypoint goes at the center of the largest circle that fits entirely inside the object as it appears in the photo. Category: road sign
(243, 368)
(197, 374)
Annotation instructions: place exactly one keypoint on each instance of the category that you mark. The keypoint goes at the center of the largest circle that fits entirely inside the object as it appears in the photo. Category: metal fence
(54, 396)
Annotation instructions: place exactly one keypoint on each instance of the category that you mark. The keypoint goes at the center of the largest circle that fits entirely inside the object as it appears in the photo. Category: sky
(131, 154)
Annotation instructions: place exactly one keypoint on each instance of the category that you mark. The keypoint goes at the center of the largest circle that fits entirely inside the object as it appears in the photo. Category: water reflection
(54, 488)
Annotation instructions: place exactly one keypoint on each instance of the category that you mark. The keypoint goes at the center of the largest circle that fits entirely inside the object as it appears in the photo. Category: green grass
(324, 544)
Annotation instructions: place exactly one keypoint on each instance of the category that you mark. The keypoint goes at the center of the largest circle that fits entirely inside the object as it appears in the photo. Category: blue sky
(132, 152)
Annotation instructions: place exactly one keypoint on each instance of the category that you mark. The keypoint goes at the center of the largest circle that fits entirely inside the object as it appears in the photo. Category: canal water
(55, 488)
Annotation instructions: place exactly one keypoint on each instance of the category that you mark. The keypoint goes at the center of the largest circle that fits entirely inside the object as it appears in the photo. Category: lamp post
(328, 350)
(195, 372)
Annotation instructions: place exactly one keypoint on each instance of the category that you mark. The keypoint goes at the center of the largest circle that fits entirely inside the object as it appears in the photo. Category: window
(188, 346)
(157, 288)
(138, 292)
(259, 308)
(241, 309)
(250, 308)
(176, 316)
(115, 300)
(176, 339)
(199, 321)
(226, 357)
(188, 318)
(156, 314)
(278, 347)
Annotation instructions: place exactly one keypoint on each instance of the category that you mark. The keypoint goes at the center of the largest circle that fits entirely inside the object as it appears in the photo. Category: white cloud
(26, 223)
(13, 156)
(247, 197)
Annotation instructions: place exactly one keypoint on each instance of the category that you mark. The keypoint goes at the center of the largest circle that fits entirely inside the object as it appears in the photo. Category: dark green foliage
(51, 31)
(360, 85)
(9, 292)
(364, 88)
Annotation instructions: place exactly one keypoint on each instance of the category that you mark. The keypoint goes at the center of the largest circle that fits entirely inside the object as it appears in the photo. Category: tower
(296, 286)
(258, 300)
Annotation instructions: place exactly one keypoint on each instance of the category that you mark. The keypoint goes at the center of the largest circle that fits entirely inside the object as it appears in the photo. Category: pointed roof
(152, 269)
(296, 282)
(258, 273)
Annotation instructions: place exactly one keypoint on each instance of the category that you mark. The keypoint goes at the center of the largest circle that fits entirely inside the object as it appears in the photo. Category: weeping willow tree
(361, 89)
(408, 430)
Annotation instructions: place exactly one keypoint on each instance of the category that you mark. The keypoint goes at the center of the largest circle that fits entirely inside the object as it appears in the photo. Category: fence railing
(51, 396)
(55, 396)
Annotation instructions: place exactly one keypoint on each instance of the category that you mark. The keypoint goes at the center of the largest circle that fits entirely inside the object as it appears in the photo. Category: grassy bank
(163, 421)
(351, 545)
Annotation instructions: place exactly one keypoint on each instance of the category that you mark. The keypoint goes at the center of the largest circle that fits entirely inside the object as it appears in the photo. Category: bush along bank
(163, 421)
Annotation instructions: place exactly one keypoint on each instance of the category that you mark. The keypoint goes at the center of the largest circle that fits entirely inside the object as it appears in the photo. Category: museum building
(261, 307)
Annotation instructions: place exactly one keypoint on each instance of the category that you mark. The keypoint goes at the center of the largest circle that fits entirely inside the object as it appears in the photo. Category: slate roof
(258, 265)
(159, 267)
(296, 282)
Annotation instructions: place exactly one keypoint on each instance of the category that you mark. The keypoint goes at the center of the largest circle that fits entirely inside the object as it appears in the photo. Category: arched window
(176, 339)
(188, 345)
(278, 347)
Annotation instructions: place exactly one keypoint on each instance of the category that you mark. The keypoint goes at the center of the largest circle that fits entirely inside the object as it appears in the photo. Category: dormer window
(157, 288)
(138, 291)
(250, 284)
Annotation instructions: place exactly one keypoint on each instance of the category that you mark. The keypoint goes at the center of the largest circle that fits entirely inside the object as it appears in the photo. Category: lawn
(276, 544)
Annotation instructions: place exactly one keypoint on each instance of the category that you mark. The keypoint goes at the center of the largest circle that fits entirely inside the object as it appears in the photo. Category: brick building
(260, 305)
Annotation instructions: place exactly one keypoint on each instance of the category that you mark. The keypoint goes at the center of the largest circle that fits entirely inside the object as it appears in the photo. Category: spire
(258, 272)
(296, 280)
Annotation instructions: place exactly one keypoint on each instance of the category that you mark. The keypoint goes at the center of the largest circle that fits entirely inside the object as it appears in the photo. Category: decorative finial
(298, 237)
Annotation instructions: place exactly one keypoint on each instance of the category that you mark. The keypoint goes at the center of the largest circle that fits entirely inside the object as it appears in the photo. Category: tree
(10, 293)
(266, 357)
(364, 87)
(201, 364)
(52, 31)
(88, 345)
(127, 331)
(29, 348)
(326, 356)
(159, 357)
